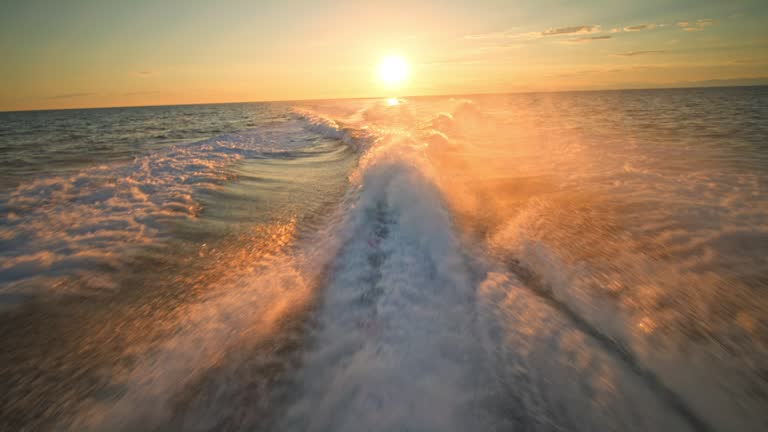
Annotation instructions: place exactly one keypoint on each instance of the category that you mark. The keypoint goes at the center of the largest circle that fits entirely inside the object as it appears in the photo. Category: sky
(95, 53)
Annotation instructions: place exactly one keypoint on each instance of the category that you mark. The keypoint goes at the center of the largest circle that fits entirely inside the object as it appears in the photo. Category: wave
(358, 139)
(70, 233)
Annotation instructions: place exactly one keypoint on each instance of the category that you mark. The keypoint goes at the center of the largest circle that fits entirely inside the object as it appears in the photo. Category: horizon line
(405, 97)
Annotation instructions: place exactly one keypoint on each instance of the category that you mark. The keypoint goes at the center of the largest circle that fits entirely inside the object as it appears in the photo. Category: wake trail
(396, 347)
(414, 335)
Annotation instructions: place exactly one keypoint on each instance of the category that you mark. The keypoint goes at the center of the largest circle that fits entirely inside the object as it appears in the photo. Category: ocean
(583, 261)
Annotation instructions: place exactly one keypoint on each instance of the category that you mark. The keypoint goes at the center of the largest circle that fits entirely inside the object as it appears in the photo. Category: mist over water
(571, 261)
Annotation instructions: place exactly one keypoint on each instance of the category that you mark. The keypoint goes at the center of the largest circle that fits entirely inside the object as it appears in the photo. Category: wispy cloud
(572, 30)
(587, 39)
(70, 96)
(504, 35)
(639, 53)
(584, 72)
(532, 35)
(640, 27)
(145, 73)
(699, 25)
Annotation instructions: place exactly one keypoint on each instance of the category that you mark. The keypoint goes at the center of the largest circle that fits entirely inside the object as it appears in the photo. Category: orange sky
(89, 53)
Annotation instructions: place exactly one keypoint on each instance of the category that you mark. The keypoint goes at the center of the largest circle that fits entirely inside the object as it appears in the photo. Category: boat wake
(457, 282)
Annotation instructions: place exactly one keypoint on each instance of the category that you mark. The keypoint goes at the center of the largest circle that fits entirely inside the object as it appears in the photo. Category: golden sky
(91, 53)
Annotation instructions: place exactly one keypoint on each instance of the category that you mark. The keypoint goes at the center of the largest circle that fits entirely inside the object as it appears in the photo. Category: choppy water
(572, 261)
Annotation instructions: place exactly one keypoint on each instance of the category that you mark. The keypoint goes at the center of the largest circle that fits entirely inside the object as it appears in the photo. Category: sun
(393, 70)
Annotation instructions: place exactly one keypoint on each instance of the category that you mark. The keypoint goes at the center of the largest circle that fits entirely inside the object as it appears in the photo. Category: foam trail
(415, 335)
(396, 349)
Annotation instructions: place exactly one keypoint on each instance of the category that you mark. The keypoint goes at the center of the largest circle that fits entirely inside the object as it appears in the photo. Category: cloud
(70, 96)
(503, 35)
(572, 30)
(640, 27)
(587, 39)
(145, 73)
(639, 53)
(583, 72)
(699, 25)
(527, 36)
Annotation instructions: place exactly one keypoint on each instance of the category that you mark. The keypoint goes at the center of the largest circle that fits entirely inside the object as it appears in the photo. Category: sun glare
(393, 70)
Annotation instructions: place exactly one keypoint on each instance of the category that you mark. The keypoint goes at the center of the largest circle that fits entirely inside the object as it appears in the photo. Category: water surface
(563, 261)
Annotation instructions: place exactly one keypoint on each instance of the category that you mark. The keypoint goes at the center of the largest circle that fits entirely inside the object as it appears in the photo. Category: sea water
(550, 261)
